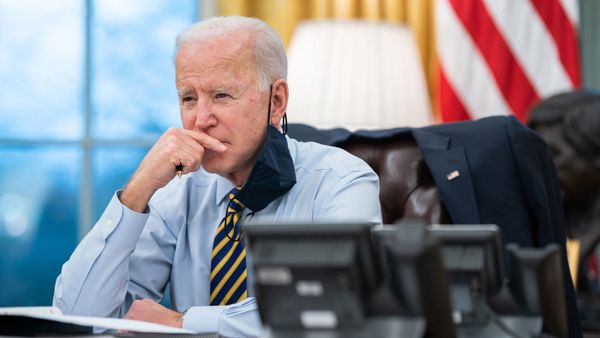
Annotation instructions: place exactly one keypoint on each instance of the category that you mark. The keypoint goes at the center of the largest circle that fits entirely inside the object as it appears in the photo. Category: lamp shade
(356, 74)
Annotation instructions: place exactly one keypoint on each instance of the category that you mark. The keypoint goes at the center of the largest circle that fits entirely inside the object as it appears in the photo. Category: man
(161, 229)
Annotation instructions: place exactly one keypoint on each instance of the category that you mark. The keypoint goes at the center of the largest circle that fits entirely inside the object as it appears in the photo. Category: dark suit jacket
(506, 178)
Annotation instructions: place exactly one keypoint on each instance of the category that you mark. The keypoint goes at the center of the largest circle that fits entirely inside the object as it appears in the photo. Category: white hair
(269, 53)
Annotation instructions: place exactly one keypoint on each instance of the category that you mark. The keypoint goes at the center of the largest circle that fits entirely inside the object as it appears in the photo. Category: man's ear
(279, 100)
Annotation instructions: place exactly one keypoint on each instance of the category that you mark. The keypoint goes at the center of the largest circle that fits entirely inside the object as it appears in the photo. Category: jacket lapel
(451, 174)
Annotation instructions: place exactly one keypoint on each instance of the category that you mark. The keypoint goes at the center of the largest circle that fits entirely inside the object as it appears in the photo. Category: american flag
(499, 57)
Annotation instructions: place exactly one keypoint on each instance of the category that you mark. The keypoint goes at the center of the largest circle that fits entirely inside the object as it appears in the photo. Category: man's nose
(205, 117)
(562, 156)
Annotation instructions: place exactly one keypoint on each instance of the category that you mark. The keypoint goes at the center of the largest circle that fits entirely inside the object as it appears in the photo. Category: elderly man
(237, 165)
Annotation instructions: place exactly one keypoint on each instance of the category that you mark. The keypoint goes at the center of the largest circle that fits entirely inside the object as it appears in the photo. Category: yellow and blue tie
(228, 263)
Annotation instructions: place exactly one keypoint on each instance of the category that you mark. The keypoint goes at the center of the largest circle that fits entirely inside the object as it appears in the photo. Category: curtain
(284, 15)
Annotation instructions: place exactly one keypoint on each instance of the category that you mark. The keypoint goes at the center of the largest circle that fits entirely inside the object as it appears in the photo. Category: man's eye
(221, 95)
(187, 99)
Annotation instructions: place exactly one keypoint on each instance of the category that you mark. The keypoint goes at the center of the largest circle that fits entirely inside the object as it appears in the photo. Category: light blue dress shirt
(128, 255)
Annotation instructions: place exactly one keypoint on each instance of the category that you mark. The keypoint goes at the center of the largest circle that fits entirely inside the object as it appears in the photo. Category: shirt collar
(292, 147)
(223, 188)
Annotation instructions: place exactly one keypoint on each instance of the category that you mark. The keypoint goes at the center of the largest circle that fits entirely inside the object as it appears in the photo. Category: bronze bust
(569, 123)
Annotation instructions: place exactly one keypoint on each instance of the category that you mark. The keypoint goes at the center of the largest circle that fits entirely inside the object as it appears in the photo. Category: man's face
(218, 95)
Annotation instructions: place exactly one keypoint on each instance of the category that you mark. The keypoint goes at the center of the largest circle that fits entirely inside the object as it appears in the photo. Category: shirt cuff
(130, 224)
(203, 319)
(235, 320)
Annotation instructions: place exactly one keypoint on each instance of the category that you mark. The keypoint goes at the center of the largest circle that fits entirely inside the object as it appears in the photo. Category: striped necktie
(228, 263)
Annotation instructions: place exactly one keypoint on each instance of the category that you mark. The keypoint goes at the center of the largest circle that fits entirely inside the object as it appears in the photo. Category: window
(86, 87)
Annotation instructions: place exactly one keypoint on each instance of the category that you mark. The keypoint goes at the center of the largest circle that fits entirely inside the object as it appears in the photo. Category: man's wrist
(135, 198)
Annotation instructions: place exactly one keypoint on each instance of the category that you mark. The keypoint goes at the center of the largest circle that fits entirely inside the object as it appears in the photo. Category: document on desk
(54, 314)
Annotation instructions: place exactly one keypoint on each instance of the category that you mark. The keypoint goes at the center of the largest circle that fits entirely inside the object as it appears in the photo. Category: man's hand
(150, 311)
(175, 147)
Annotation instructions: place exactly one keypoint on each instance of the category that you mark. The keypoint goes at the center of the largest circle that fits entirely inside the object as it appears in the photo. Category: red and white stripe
(499, 57)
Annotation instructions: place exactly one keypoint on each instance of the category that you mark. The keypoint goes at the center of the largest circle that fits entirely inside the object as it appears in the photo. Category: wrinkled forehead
(232, 45)
(230, 53)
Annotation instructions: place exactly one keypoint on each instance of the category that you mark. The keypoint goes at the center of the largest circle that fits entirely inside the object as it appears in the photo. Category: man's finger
(206, 140)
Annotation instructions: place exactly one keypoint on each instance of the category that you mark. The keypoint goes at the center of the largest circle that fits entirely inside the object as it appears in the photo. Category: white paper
(30, 310)
(53, 313)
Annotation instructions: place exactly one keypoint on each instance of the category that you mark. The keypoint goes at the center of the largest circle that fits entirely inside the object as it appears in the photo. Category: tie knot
(234, 204)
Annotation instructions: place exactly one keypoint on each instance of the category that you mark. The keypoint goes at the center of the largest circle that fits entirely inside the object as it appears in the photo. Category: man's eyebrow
(183, 91)
(224, 86)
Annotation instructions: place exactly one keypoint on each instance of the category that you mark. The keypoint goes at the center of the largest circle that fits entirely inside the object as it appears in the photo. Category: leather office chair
(407, 189)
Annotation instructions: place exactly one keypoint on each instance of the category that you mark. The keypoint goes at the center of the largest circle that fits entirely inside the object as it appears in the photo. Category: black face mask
(273, 173)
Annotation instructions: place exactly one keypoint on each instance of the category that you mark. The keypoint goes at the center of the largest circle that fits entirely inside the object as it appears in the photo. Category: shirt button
(109, 222)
